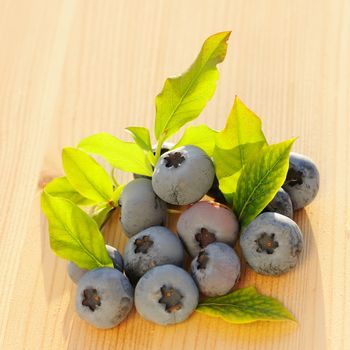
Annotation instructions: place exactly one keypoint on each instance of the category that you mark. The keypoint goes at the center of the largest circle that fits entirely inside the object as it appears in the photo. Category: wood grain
(71, 68)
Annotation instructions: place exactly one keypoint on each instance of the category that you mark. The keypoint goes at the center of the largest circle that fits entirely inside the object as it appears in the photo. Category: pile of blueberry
(152, 274)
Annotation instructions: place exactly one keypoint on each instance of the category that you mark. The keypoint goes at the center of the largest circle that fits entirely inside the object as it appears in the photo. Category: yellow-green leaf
(184, 97)
(61, 187)
(245, 305)
(122, 155)
(141, 137)
(200, 136)
(102, 215)
(74, 235)
(260, 180)
(241, 139)
(88, 177)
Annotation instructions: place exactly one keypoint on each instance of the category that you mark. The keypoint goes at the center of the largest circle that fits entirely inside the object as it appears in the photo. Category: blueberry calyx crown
(266, 243)
(204, 237)
(202, 260)
(143, 244)
(91, 299)
(174, 159)
(294, 177)
(171, 298)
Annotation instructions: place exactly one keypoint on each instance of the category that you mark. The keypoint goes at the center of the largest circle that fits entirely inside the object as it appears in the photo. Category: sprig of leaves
(260, 180)
(87, 184)
(200, 136)
(241, 139)
(245, 305)
(126, 156)
(61, 187)
(86, 175)
(74, 235)
(184, 97)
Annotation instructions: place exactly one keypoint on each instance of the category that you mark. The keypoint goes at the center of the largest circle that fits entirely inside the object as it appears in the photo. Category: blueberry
(271, 244)
(167, 146)
(216, 269)
(104, 297)
(207, 222)
(166, 295)
(140, 207)
(149, 248)
(116, 257)
(281, 204)
(303, 180)
(183, 175)
(75, 272)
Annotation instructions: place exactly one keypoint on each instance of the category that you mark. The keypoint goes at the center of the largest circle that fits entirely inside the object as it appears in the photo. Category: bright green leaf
(245, 305)
(241, 139)
(88, 177)
(123, 155)
(74, 235)
(141, 137)
(260, 180)
(184, 97)
(228, 187)
(201, 136)
(102, 215)
(117, 193)
(61, 187)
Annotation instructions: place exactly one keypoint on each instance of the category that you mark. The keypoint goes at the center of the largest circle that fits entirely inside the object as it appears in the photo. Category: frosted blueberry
(303, 180)
(140, 207)
(166, 295)
(183, 175)
(281, 204)
(149, 248)
(271, 244)
(104, 297)
(207, 222)
(216, 269)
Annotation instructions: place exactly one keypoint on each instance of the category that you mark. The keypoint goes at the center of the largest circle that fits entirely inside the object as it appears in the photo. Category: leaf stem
(159, 146)
(114, 177)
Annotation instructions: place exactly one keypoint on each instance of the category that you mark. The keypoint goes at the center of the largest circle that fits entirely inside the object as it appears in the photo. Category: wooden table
(70, 68)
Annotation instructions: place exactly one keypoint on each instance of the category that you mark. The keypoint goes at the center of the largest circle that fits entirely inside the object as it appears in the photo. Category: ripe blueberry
(183, 175)
(207, 222)
(271, 244)
(303, 180)
(216, 269)
(166, 295)
(104, 297)
(140, 207)
(281, 204)
(149, 248)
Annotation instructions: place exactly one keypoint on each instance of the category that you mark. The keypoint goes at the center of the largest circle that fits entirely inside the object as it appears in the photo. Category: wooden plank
(72, 68)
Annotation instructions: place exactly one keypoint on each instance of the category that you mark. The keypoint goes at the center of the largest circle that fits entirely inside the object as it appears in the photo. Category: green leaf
(117, 193)
(201, 136)
(123, 155)
(228, 187)
(141, 137)
(61, 187)
(245, 305)
(184, 97)
(74, 235)
(241, 139)
(88, 177)
(102, 215)
(260, 180)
